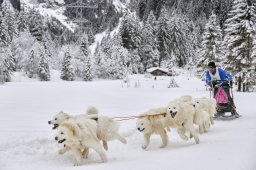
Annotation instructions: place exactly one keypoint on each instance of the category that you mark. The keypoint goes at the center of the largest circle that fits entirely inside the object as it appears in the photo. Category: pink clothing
(221, 96)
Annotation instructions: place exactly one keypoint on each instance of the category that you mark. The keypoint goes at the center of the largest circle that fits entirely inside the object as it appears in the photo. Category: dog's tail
(92, 110)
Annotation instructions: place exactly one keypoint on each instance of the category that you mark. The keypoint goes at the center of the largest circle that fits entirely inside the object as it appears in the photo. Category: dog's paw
(124, 141)
(162, 146)
(197, 140)
(77, 163)
(144, 147)
(61, 152)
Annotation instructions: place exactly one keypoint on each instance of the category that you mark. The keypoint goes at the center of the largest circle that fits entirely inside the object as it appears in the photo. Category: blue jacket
(222, 73)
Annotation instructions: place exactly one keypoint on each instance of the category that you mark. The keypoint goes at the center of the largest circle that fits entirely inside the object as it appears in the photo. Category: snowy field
(27, 141)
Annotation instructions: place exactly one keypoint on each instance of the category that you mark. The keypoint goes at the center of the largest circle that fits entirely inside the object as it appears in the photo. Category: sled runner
(224, 101)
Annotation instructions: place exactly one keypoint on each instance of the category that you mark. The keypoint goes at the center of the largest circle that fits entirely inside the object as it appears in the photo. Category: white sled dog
(153, 121)
(202, 117)
(209, 105)
(182, 113)
(107, 128)
(78, 135)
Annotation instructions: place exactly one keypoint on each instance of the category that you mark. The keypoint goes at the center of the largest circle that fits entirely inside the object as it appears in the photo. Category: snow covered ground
(27, 141)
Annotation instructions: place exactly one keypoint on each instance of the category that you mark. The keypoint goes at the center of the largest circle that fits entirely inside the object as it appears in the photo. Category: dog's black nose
(194, 105)
(170, 111)
(138, 129)
(49, 122)
(56, 138)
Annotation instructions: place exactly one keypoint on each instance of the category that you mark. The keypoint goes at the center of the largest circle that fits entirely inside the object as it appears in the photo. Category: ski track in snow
(27, 141)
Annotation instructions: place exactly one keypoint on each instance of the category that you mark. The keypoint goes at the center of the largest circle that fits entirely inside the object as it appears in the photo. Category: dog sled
(223, 94)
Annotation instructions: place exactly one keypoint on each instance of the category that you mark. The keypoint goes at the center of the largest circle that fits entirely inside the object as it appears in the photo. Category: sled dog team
(81, 132)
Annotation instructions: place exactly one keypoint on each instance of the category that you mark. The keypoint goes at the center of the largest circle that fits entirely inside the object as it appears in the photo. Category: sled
(223, 117)
(229, 106)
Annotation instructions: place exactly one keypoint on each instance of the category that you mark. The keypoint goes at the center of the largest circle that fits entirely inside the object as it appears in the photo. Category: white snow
(119, 5)
(48, 12)
(27, 141)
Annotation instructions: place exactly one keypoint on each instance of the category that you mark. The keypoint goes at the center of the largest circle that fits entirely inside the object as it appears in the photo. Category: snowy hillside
(49, 12)
(27, 141)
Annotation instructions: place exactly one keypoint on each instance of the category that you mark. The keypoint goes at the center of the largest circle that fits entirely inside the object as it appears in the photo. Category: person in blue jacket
(216, 73)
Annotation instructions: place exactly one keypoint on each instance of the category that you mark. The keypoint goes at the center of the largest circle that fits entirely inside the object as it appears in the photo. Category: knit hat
(212, 64)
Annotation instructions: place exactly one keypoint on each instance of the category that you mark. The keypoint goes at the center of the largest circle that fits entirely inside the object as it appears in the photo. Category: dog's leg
(147, 139)
(164, 137)
(189, 126)
(211, 119)
(201, 129)
(120, 138)
(85, 153)
(78, 156)
(98, 148)
(181, 132)
(64, 150)
(105, 144)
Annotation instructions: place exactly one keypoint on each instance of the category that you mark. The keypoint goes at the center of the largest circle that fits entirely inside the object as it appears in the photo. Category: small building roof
(150, 70)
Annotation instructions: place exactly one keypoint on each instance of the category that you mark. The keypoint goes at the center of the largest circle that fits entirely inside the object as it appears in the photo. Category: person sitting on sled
(217, 77)
(216, 73)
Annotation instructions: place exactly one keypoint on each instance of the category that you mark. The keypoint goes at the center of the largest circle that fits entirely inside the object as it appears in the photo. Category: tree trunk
(239, 83)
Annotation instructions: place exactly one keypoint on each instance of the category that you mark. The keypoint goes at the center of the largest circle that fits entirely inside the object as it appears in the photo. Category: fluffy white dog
(153, 121)
(182, 114)
(202, 117)
(79, 135)
(209, 105)
(107, 128)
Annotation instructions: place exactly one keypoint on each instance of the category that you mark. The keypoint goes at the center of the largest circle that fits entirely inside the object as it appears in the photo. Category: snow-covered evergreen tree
(67, 72)
(84, 69)
(36, 25)
(130, 32)
(120, 60)
(182, 40)
(43, 70)
(240, 30)
(9, 19)
(23, 21)
(211, 43)
(114, 64)
(6, 65)
(98, 61)
(163, 35)
(31, 65)
(5, 38)
(148, 49)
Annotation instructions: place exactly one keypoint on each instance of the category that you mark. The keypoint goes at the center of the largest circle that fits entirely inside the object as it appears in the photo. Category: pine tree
(67, 68)
(148, 48)
(163, 35)
(22, 21)
(85, 58)
(43, 70)
(5, 38)
(9, 19)
(36, 25)
(31, 66)
(98, 61)
(239, 29)
(5, 70)
(211, 43)
(130, 32)
(119, 67)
